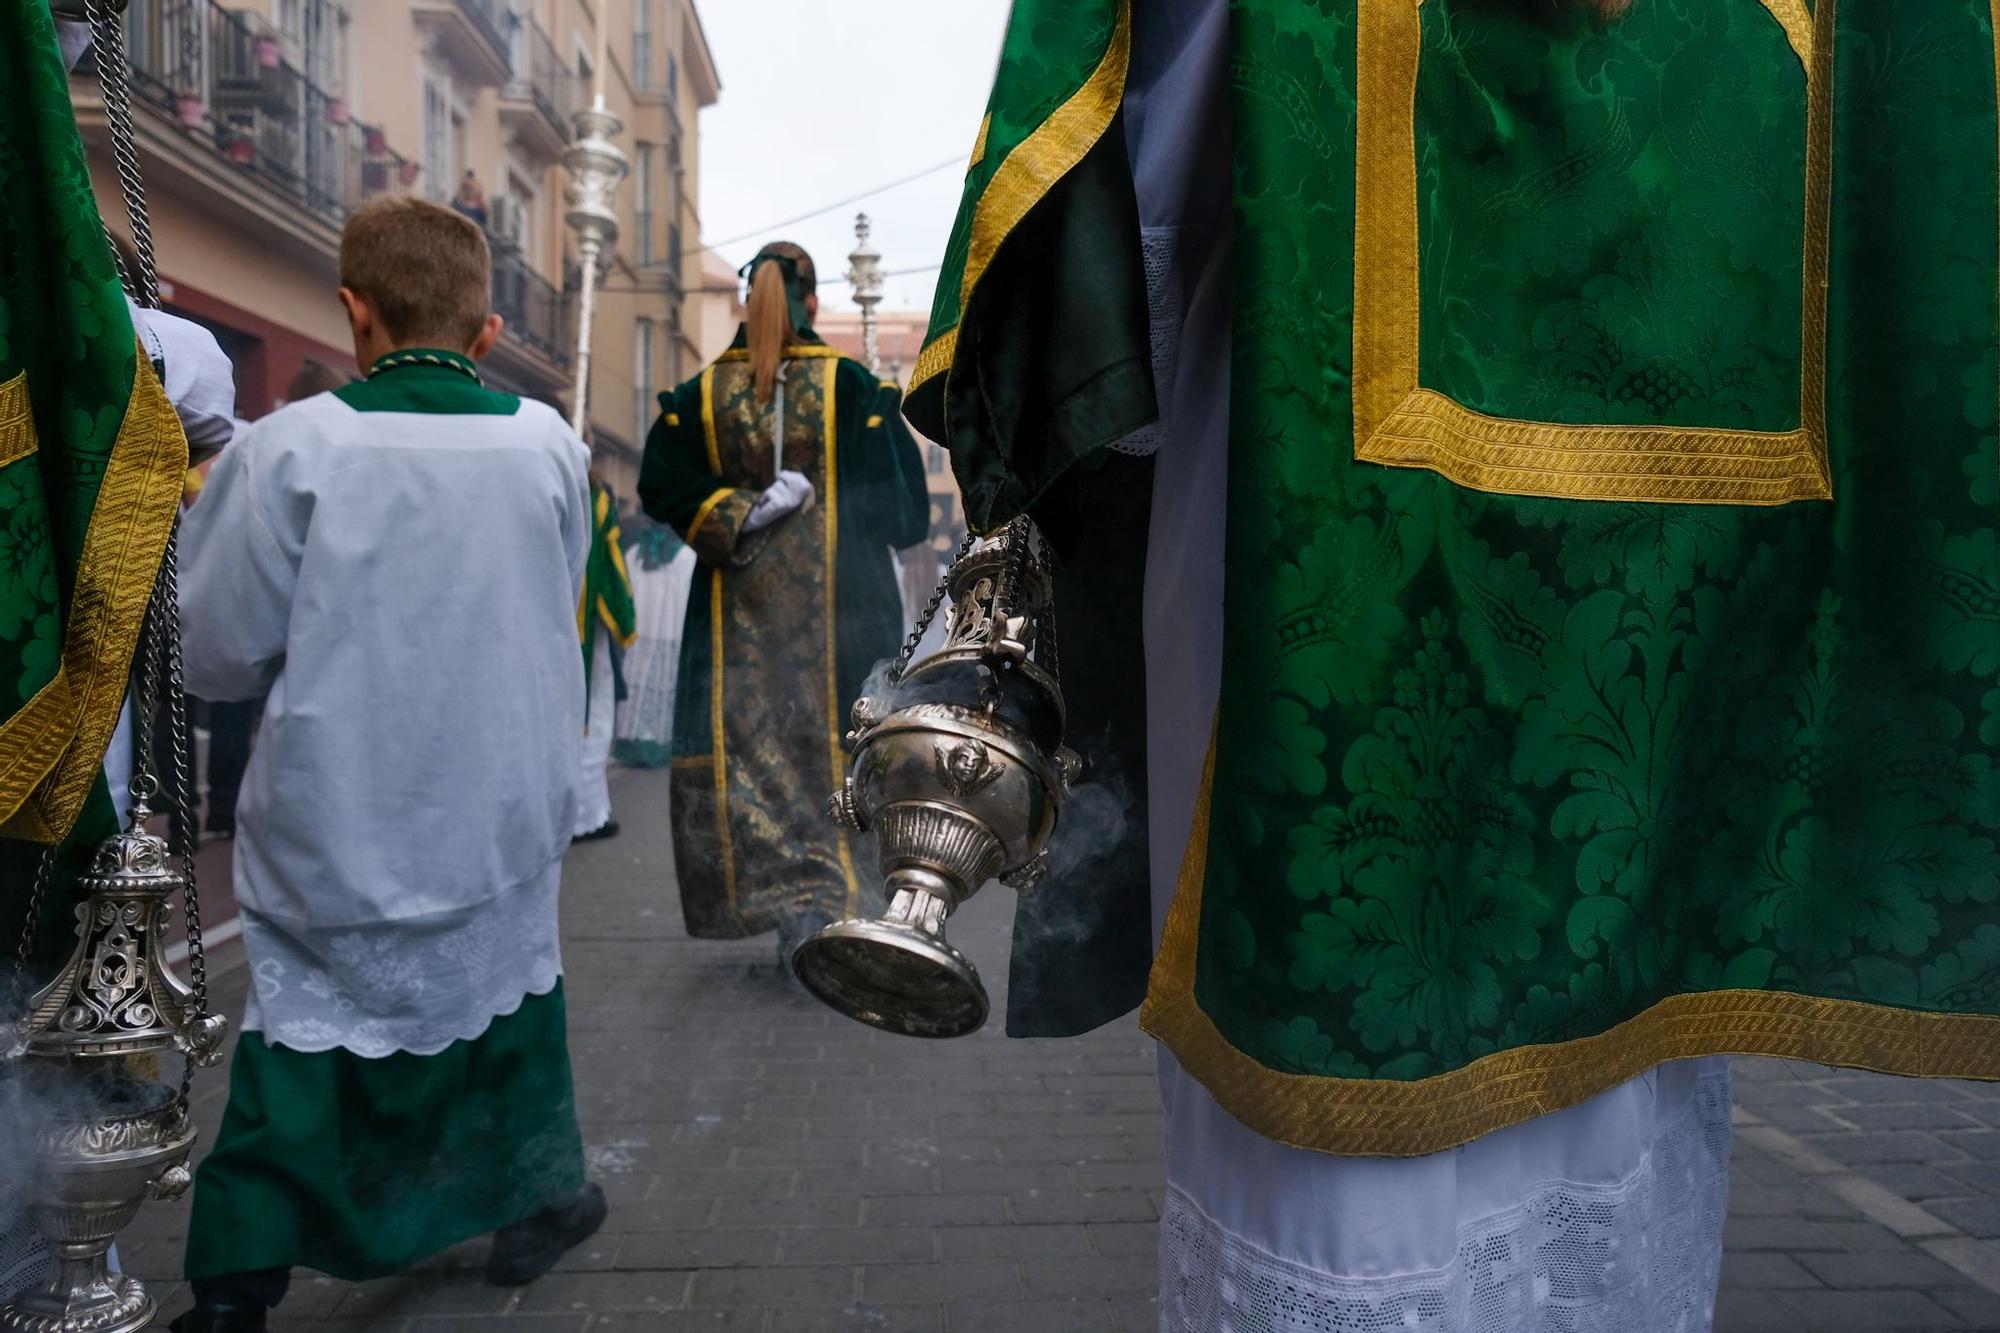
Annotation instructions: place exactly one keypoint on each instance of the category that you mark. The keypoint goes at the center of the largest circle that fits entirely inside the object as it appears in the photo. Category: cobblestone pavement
(775, 1169)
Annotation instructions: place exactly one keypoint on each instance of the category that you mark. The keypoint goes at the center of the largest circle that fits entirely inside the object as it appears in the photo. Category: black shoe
(220, 828)
(529, 1248)
(204, 1319)
(608, 829)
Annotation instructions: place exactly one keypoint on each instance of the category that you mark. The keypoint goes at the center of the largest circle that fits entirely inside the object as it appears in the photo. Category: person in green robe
(789, 470)
(606, 623)
(1570, 587)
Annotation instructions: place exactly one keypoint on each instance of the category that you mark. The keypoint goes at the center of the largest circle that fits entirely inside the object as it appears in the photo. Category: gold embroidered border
(1029, 173)
(716, 605)
(17, 420)
(1399, 423)
(707, 507)
(979, 144)
(708, 422)
(1396, 1118)
(830, 460)
(792, 352)
(47, 769)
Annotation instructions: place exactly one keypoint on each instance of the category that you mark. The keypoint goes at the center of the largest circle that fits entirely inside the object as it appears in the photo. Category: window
(642, 43)
(642, 218)
(527, 209)
(440, 174)
(642, 378)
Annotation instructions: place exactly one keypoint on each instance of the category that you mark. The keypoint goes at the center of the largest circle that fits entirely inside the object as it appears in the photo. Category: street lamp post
(864, 276)
(596, 169)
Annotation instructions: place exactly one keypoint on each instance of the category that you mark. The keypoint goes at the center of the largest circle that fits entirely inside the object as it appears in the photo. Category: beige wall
(224, 237)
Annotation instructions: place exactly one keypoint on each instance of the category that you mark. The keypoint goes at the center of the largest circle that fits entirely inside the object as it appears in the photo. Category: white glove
(789, 493)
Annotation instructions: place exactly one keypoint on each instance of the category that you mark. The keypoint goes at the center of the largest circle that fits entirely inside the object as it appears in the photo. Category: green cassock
(783, 624)
(1611, 669)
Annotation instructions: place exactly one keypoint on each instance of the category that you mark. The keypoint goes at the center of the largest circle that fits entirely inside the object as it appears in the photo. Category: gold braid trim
(830, 461)
(1408, 1118)
(1028, 173)
(1399, 423)
(67, 727)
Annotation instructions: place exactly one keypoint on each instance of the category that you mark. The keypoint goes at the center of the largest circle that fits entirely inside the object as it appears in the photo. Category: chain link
(167, 601)
(1045, 637)
(930, 610)
(107, 32)
(24, 952)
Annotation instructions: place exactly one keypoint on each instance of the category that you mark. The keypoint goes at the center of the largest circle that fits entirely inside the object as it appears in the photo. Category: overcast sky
(822, 99)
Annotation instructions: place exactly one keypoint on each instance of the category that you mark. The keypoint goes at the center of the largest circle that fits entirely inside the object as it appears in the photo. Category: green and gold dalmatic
(783, 627)
(1612, 653)
(91, 455)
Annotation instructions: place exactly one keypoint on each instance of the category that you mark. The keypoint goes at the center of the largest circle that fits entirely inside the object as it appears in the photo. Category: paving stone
(1907, 1115)
(1976, 1217)
(944, 1210)
(1870, 1147)
(1091, 1275)
(1861, 1311)
(674, 1321)
(1920, 1183)
(861, 1319)
(822, 1288)
(1014, 1242)
(564, 1292)
(1088, 1316)
(946, 1280)
(513, 1323)
(713, 1247)
(1982, 1145)
(1977, 1306)
(858, 1245)
(1864, 1237)
(1879, 1268)
(1767, 1271)
(1114, 1206)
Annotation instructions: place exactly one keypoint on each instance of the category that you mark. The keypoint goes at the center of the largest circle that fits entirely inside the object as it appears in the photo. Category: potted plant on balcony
(337, 112)
(240, 148)
(190, 109)
(408, 172)
(376, 140)
(267, 52)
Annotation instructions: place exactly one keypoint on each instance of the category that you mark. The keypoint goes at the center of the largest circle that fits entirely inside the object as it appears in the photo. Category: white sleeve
(237, 577)
(580, 519)
(200, 381)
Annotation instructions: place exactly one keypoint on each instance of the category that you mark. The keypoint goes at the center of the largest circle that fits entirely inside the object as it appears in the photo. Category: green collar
(417, 357)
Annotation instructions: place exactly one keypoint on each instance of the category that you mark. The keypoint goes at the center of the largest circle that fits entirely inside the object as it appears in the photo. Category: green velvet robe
(1611, 669)
(784, 626)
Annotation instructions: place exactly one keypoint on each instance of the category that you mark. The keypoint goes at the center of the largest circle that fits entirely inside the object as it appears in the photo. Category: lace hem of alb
(1641, 1255)
(415, 986)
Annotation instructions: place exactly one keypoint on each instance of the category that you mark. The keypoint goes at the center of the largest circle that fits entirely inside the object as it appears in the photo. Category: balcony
(537, 101)
(536, 349)
(475, 35)
(227, 119)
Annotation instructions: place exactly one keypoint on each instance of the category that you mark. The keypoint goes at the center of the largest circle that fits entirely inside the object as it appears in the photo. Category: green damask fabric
(67, 361)
(1497, 771)
(1500, 772)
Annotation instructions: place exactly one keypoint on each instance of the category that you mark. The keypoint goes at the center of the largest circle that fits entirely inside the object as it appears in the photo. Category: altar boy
(403, 1078)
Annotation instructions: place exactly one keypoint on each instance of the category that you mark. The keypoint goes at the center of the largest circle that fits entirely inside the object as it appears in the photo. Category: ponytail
(769, 321)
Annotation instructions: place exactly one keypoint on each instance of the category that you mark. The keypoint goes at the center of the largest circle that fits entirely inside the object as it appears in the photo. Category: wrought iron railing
(537, 311)
(543, 77)
(226, 82)
(494, 21)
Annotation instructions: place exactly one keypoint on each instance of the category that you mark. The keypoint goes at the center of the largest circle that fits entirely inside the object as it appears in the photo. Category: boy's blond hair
(425, 269)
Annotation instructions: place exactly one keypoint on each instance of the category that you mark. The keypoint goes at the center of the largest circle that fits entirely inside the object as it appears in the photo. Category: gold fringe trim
(717, 753)
(1395, 1118)
(1398, 423)
(46, 774)
(1028, 173)
(708, 507)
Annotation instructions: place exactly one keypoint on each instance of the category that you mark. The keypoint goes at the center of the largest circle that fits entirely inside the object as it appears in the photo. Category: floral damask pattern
(1500, 770)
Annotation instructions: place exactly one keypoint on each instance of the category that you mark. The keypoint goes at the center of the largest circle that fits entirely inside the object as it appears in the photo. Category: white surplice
(403, 587)
(1602, 1218)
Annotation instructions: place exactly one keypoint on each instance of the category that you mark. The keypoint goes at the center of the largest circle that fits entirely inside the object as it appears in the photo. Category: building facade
(261, 126)
(899, 336)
